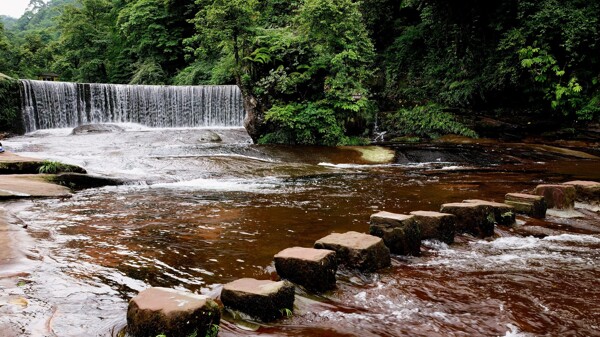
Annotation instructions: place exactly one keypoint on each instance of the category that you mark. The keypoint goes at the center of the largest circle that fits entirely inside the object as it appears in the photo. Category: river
(198, 214)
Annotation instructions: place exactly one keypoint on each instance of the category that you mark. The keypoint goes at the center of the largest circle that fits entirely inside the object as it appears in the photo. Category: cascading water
(48, 105)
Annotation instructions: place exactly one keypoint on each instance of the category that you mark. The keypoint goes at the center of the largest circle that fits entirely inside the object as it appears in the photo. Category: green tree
(85, 41)
(5, 52)
(305, 69)
(154, 31)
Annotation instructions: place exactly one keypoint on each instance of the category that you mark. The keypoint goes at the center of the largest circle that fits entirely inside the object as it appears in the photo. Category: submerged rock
(557, 196)
(531, 205)
(312, 268)
(400, 232)
(211, 136)
(170, 312)
(263, 299)
(357, 250)
(436, 225)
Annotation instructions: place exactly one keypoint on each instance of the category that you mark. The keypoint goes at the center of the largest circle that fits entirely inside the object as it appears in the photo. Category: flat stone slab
(528, 204)
(503, 214)
(557, 196)
(357, 250)
(312, 268)
(262, 299)
(586, 191)
(30, 186)
(400, 232)
(170, 312)
(436, 225)
(472, 218)
(390, 219)
(11, 163)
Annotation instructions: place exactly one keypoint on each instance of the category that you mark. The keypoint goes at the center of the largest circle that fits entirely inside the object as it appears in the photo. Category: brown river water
(198, 215)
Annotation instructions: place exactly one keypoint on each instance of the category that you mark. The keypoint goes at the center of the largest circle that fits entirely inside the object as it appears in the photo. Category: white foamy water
(266, 185)
(520, 253)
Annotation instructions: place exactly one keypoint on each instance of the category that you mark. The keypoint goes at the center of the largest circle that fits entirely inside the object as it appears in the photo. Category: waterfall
(48, 105)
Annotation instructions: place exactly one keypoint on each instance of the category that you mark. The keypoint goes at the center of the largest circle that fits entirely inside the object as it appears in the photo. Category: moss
(375, 154)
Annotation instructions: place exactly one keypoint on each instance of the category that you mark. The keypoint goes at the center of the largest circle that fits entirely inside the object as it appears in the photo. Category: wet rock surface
(528, 204)
(11, 163)
(472, 218)
(172, 313)
(560, 197)
(78, 181)
(96, 128)
(436, 225)
(312, 268)
(400, 233)
(262, 299)
(357, 250)
(503, 214)
(586, 191)
(30, 186)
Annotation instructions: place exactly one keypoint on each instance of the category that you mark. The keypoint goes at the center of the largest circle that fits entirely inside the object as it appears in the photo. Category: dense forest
(331, 71)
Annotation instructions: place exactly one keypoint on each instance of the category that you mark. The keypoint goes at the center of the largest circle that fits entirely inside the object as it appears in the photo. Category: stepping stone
(503, 214)
(262, 299)
(436, 225)
(357, 250)
(473, 218)
(528, 204)
(557, 196)
(312, 268)
(173, 313)
(586, 191)
(400, 232)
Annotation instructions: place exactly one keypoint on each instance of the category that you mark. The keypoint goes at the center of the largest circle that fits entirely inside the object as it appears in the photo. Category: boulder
(528, 204)
(263, 299)
(586, 191)
(78, 181)
(504, 214)
(312, 268)
(472, 218)
(557, 196)
(436, 225)
(357, 250)
(173, 313)
(96, 128)
(400, 232)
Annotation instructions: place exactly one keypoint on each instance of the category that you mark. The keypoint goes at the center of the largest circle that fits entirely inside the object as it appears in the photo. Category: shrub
(428, 120)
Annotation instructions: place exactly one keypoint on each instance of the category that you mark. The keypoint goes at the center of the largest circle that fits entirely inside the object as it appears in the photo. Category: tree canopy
(330, 71)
